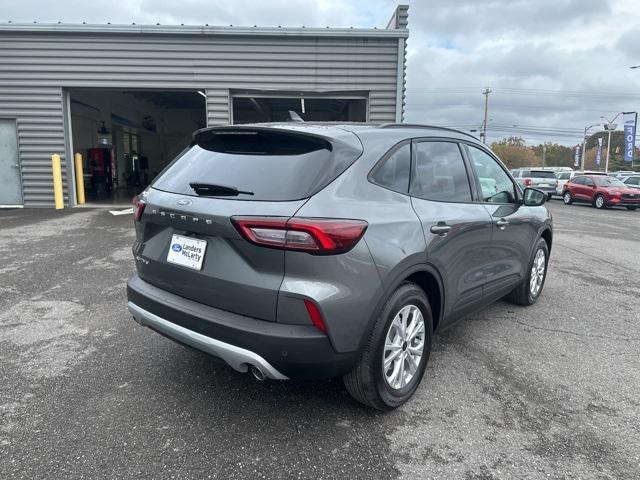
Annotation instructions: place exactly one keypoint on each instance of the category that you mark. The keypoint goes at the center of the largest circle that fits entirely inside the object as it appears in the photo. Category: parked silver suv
(314, 251)
(541, 179)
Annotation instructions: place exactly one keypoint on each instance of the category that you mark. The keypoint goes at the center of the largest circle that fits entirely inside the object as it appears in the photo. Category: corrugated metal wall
(36, 66)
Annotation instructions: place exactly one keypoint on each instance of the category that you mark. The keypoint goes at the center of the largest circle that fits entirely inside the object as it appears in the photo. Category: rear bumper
(238, 358)
(280, 351)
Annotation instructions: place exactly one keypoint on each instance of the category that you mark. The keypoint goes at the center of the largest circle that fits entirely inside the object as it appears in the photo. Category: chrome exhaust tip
(257, 373)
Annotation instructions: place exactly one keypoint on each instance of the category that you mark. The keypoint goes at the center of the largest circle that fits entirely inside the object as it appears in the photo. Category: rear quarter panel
(349, 287)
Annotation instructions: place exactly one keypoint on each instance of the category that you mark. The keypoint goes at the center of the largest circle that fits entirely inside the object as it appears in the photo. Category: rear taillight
(138, 208)
(527, 182)
(315, 316)
(318, 236)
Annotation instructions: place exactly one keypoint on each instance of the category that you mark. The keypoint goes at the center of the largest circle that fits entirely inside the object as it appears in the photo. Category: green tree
(556, 155)
(514, 153)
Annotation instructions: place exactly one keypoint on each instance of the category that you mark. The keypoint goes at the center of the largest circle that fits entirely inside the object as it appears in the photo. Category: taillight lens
(527, 181)
(138, 208)
(318, 236)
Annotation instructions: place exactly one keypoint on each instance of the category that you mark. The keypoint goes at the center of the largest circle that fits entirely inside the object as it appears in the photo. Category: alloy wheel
(404, 346)
(599, 201)
(537, 272)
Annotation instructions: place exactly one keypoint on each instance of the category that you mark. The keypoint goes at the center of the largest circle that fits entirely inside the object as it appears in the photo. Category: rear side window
(393, 173)
(440, 173)
(564, 176)
(578, 180)
(263, 164)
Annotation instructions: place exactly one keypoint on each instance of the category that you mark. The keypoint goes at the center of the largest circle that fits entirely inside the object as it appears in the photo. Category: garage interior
(263, 107)
(127, 137)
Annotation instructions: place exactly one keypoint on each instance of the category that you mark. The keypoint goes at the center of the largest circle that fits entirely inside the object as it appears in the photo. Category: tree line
(515, 153)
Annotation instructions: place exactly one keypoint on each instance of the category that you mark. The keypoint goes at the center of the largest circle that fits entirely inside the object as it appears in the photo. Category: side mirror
(533, 197)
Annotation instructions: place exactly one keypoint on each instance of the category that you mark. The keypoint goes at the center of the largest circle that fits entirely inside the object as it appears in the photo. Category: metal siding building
(40, 63)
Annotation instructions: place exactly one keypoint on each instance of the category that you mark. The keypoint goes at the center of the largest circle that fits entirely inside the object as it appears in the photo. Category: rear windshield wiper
(213, 190)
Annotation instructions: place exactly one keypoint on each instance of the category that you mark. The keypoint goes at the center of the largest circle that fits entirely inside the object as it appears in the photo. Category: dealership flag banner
(630, 119)
(577, 156)
(599, 154)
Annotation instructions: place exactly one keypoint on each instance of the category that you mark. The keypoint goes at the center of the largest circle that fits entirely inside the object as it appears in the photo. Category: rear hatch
(544, 179)
(186, 241)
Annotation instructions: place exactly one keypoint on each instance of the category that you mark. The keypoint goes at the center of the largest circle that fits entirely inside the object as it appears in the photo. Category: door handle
(502, 223)
(440, 228)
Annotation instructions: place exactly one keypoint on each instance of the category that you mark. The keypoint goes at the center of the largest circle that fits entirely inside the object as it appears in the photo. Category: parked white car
(632, 181)
(563, 177)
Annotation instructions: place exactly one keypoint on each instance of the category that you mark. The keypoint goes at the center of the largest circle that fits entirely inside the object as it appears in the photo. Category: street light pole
(584, 142)
(609, 127)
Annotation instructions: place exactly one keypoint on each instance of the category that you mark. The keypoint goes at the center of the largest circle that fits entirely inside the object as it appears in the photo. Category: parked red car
(601, 191)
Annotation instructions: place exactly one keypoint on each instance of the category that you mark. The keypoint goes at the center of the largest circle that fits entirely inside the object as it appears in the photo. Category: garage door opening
(256, 109)
(127, 137)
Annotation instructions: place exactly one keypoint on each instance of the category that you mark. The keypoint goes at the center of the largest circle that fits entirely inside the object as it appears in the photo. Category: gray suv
(315, 251)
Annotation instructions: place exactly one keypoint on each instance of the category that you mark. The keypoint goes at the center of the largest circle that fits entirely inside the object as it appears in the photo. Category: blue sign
(630, 120)
(176, 247)
(599, 153)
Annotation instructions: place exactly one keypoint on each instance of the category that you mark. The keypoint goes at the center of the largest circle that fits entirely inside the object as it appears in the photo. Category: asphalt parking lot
(552, 391)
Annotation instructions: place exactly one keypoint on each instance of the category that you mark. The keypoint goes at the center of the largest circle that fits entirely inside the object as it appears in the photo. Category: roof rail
(432, 127)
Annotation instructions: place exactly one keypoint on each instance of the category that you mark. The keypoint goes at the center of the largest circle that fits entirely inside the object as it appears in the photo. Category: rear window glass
(542, 174)
(263, 165)
(632, 181)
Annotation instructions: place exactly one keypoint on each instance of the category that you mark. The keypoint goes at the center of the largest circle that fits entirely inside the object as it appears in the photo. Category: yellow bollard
(79, 179)
(57, 181)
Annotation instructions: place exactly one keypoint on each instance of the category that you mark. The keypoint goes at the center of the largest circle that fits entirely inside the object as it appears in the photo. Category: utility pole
(486, 93)
(544, 153)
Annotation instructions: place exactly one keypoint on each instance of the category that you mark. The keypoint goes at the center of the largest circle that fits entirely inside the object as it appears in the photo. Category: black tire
(567, 198)
(366, 382)
(549, 196)
(596, 202)
(522, 295)
(631, 208)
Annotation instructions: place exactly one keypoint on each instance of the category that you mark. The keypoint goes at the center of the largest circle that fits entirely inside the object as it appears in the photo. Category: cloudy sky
(554, 66)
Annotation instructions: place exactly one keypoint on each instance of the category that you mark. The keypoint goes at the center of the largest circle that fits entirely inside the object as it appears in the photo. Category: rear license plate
(187, 252)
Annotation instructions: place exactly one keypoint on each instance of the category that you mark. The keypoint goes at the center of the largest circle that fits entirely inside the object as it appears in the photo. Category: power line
(527, 92)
